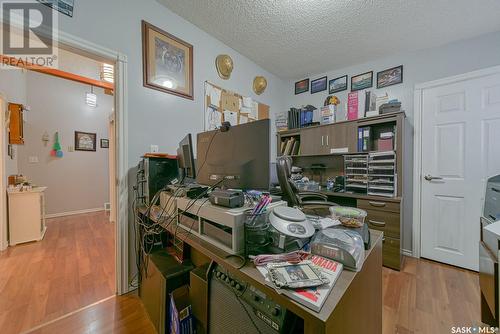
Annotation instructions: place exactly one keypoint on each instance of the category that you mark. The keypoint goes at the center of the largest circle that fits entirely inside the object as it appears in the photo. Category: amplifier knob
(275, 311)
(238, 287)
(217, 274)
(222, 276)
(227, 279)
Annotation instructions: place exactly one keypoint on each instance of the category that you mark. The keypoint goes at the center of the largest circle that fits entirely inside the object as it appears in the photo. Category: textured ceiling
(294, 38)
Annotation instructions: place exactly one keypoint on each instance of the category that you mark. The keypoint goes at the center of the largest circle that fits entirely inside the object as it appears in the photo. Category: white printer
(489, 253)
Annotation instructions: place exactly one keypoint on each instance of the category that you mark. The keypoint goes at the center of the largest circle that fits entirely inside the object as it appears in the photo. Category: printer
(489, 253)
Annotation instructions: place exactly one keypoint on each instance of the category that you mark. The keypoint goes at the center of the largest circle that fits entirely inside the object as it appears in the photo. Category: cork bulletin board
(224, 105)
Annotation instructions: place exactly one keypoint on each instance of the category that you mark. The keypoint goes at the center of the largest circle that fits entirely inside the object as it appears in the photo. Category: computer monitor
(237, 158)
(186, 157)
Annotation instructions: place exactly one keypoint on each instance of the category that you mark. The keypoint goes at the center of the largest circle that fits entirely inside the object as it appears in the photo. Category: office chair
(304, 200)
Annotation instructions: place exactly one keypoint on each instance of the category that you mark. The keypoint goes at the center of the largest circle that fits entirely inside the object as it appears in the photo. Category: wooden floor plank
(73, 266)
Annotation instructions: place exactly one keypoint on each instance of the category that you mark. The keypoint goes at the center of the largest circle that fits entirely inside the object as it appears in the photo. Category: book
(296, 146)
(315, 297)
(289, 146)
(360, 139)
(352, 106)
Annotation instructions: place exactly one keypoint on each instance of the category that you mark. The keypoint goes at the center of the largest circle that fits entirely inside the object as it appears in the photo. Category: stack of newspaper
(314, 297)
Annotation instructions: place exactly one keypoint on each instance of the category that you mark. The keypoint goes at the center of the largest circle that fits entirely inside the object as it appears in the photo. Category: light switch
(154, 149)
(71, 149)
(33, 160)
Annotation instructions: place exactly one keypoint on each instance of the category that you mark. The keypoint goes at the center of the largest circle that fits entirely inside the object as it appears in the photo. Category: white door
(460, 149)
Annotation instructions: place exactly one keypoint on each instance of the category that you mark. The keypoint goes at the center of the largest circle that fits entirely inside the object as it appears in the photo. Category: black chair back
(288, 188)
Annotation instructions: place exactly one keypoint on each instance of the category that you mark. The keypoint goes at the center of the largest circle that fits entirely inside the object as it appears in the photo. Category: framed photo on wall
(85, 141)
(167, 62)
(318, 85)
(389, 77)
(337, 85)
(104, 143)
(302, 86)
(362, 81)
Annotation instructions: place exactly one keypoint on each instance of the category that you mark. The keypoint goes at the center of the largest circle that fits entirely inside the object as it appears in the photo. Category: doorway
(119, 156)
(457, 131)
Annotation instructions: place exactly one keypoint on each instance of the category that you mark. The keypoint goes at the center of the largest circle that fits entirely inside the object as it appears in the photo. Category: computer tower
(154, 174)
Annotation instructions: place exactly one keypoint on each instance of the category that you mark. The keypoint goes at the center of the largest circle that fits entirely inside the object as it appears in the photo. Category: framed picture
(62, 6)
(318, 85)
(301, 86)
(389, 77)
(85, 141)
(337, 85)
(167, 62)
(362, 81)
(104, 143)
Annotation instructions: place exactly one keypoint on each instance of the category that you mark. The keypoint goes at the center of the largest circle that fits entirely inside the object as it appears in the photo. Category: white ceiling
(295, 38)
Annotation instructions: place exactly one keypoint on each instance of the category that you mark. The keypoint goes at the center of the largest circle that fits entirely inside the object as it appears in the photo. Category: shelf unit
(356, 173)
(382, 177)
(373, 176)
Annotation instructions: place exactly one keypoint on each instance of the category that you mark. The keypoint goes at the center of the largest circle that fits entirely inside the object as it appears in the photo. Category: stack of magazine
(313, 297)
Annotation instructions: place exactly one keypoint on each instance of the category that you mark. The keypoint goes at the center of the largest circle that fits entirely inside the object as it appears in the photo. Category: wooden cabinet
(26, 215)
(16, 124)
(322, 140)
(342, 136)
(313, 141)
(385, 216)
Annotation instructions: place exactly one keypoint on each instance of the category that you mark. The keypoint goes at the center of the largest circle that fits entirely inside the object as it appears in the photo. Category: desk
(353, 306)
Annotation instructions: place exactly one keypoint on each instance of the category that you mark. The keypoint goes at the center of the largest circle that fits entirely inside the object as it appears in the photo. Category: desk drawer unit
(385, 216)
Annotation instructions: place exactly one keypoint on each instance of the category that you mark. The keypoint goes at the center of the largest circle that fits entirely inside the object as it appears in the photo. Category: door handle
(496, 190)
(430, 177)
(377, 204)
(327, 137)
(376, 223)
(322, 143)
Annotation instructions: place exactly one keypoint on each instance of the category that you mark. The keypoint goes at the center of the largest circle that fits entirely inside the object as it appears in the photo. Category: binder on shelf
(366, 139)
(360, 139)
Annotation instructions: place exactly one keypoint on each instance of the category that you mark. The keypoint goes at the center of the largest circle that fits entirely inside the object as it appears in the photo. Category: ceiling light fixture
(107, 72)
(91, 98)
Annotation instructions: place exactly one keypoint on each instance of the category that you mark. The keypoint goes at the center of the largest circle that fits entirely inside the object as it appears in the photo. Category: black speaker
(236, 307)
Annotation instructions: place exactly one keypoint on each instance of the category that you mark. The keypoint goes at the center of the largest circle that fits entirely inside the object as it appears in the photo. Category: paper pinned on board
(214, 93)
(213, 118)
(247, 102)
(254, 111)
(231, 117)
(243, 119)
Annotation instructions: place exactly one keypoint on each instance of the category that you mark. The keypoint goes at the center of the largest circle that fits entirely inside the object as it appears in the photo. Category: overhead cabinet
(329, 139)
(16, 132)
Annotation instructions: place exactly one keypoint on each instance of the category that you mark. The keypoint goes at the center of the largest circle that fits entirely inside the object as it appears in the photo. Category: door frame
(417, 144)
(121, 156)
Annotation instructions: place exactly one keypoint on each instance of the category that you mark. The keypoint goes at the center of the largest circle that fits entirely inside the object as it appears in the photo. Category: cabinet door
(342, 135)
(313, 141)
(16, 124)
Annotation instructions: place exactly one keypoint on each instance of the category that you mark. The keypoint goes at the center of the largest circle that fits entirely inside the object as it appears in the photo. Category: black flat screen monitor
(186, 157)
(237, 158)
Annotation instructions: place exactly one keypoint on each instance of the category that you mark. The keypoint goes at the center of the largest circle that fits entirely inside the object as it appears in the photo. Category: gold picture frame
(167, 62)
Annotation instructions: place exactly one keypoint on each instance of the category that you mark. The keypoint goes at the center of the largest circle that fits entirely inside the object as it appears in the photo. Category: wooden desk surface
(314, 322)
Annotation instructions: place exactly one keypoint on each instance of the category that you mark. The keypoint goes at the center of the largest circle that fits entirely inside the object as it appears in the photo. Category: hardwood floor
(425, 297)
(119, 314)
(72, 267)
(429, 297)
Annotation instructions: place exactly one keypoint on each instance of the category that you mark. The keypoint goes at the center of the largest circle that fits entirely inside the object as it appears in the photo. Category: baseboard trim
(407, 252)
(71, 213)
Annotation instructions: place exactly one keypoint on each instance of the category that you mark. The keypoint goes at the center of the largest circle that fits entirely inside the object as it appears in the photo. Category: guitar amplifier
(235, 307)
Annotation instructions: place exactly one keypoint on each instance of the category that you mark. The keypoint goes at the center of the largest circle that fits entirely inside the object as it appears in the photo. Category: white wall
(79, 180)
(13, 89)
(155, 117)
(421, 66)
